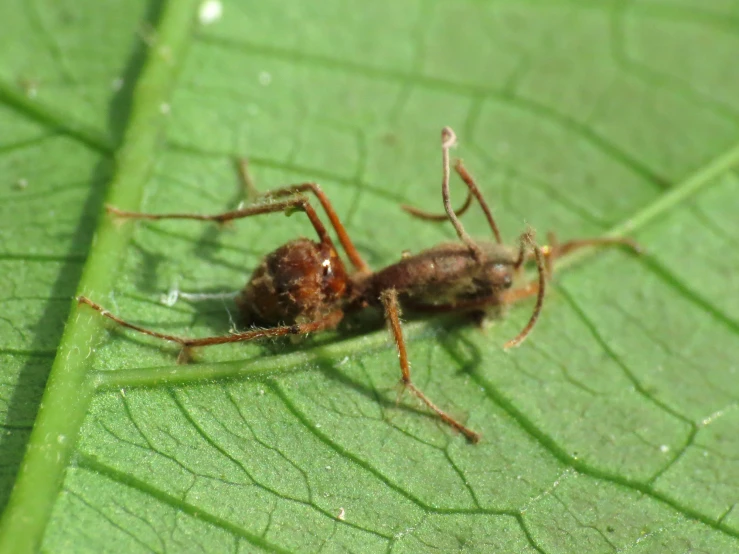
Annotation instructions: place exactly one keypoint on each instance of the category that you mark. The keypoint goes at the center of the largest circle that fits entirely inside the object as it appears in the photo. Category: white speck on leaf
(341, 515)
(664, 448)
(265, 78)
(210, 12)
(117, 84)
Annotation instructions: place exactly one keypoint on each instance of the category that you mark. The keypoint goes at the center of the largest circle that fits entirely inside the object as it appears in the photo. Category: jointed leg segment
(555, 250)
(296, 202)
(351, 251)
(528, 239)
(328, 322)
(448, 140)
(389, 300)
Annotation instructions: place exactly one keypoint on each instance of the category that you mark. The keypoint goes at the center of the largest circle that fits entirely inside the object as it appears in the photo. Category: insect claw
(471, 435)
(635, 246)
(119, 217)
(185, 356)
(513, 343)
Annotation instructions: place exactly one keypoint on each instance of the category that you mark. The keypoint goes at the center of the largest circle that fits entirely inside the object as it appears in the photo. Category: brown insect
(304, 287)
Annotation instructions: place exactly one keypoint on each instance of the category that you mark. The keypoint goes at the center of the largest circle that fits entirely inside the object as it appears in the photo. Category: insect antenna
(470, 182)
(528, 238)
(448, 140)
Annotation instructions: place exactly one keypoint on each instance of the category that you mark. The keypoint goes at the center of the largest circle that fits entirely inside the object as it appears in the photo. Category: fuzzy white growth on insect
(174, 294)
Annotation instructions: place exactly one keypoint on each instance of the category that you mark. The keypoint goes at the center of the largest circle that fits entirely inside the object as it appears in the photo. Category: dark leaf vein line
(562, 456)
(213, 444)
(12, 96)
(107, 518)
(328, 442)
(689, 294)
(191, 510)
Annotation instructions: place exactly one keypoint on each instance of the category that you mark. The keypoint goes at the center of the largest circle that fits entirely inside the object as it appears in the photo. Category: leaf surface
(611, 429)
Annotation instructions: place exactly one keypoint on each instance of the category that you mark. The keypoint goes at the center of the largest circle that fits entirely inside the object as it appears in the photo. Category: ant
(304, 287)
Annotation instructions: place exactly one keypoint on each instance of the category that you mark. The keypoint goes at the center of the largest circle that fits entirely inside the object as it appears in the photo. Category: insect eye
(500, 276)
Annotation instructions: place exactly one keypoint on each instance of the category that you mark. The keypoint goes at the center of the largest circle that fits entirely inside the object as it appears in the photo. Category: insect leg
(389, 300)
(249, 189)
(544, 258)
(330, 321)
(297, 202)
(521, 293)
(351, 251)
(527, 238)
(448, 140)
(556, 250)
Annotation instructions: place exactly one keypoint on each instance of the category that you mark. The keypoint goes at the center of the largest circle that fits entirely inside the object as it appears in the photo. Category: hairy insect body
(300, 281)
(444, 275)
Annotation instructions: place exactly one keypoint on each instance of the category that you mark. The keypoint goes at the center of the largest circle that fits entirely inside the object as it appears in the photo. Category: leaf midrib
(69, 391)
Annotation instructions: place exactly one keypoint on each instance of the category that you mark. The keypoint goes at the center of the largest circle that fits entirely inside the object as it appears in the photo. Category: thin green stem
(258, 367)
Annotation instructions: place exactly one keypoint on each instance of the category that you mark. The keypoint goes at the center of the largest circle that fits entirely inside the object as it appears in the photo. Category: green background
(612, 429)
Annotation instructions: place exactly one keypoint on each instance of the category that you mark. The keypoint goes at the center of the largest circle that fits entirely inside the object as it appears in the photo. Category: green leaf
(611, 429)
